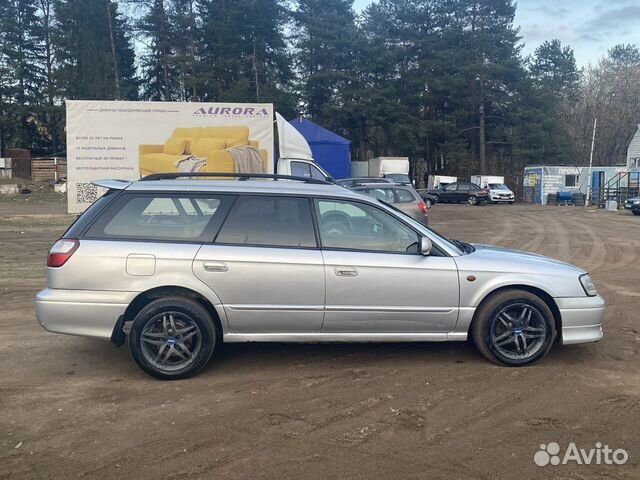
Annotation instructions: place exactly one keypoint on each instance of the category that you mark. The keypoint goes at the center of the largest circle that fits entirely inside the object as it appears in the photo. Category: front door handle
(346, 271)
(215, 266)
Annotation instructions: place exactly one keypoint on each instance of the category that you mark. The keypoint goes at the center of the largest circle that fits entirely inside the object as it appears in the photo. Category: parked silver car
(178, 266)
(402, 197)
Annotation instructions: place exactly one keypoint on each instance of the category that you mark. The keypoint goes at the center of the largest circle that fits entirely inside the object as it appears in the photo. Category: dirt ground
(75, 407)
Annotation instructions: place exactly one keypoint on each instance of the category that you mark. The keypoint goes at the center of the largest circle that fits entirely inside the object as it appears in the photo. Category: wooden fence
(45, 169)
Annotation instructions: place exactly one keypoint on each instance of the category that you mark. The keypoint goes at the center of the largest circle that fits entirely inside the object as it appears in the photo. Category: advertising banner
(127, 140)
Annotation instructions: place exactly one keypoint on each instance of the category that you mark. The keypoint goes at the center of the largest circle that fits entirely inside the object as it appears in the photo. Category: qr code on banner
(86, 193)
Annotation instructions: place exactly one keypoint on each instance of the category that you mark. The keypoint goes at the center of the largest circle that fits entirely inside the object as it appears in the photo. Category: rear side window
(269, 221)
(384, 194)
(162, 217)
(404, 196)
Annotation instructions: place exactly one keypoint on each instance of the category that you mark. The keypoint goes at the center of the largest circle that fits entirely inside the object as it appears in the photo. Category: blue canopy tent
(330, 150)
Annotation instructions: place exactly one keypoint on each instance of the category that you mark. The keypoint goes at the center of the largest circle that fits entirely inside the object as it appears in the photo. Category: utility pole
(483, 154)
(593, 142)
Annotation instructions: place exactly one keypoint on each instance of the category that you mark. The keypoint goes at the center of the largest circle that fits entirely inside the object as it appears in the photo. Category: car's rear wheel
(428, 203)
(472, 200)
(172, 338)
(514, 328)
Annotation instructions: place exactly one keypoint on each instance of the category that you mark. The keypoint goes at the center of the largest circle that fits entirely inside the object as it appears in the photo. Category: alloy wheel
(171, 341)
(518, 331)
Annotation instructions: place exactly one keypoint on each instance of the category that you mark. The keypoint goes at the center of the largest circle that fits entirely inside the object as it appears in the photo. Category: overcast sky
(590, 27)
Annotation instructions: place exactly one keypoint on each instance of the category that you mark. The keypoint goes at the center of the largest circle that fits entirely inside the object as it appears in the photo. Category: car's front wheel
(636, 212)
(172, 338)
(513, 328)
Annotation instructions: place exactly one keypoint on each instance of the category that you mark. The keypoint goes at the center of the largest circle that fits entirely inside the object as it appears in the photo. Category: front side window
(159, 217)
(269, 221)
(316, 173)
(357, 226)
(300, 169)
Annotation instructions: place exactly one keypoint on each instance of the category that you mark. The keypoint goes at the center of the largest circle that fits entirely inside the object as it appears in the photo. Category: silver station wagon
(175, 267)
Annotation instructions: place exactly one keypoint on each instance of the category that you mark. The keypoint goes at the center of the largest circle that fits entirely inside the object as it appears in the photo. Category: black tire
(176, 315)
(472, 200)
(489, 319)
(428, 203)
(635, 212)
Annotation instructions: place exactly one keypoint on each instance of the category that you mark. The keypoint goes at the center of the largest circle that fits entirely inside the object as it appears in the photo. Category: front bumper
(497, 198)
(632, 206)
(81, 312)
(581, 319)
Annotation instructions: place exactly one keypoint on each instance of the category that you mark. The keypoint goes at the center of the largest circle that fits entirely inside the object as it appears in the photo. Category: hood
(634, 199)
(526, 260)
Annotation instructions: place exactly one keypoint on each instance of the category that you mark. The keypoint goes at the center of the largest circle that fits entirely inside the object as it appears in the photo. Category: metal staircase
(620, 187)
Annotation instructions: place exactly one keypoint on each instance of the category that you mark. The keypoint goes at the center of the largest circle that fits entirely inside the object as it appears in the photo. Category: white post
(593, 142)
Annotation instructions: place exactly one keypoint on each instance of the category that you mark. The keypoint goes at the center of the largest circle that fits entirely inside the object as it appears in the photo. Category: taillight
(423, 207)
(62, 251)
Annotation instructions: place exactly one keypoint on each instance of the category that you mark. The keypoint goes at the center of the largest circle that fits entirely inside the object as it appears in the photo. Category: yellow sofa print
(211, 144)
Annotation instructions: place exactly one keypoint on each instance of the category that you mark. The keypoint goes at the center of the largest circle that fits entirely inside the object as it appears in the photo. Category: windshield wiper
(464, 246)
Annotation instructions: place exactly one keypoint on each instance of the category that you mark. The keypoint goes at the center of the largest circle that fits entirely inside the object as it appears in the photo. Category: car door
(449, 193)
(462, 192)
(376, 280)
(265, 266)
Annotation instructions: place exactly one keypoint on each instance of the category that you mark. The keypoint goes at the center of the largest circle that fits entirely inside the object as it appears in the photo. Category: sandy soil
(75, 407)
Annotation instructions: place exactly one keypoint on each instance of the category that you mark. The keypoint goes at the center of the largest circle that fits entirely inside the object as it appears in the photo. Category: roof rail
(239, 176)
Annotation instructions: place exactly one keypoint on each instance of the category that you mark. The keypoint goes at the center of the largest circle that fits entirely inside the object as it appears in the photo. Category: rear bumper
(80, 312)
(581, 319)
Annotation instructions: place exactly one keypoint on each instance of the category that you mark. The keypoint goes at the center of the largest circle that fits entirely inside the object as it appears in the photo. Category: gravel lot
(75, 407)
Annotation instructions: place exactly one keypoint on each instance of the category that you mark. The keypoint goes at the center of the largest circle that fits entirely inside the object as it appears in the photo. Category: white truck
(296, 157)
(498, 191)
(393, 168)
(434, 182)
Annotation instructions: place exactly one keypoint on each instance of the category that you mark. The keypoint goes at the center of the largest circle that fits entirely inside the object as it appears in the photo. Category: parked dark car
(429, 199)
(459, 192)
(633, 204)
(354, 181)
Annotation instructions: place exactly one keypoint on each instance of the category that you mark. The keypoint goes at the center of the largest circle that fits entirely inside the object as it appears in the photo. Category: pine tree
(159, 77)
(20, 50)
(96, 59)
(324, 39)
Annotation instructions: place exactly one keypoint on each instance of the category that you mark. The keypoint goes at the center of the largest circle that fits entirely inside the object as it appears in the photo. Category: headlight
(587, 284)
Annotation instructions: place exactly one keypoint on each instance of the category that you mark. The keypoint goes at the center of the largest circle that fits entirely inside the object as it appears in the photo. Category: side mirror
(425, 246)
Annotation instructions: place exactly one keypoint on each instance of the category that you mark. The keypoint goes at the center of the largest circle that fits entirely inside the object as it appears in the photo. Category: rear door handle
(346, 271)
(215, 266)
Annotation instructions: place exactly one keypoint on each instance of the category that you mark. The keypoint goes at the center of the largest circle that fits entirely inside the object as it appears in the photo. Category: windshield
(452, 244)
(498, 186)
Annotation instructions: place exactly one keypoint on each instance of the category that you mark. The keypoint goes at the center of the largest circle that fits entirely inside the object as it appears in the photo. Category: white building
(633, 152)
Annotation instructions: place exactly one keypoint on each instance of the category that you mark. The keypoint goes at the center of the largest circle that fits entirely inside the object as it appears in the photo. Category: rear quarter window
(162, 217)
